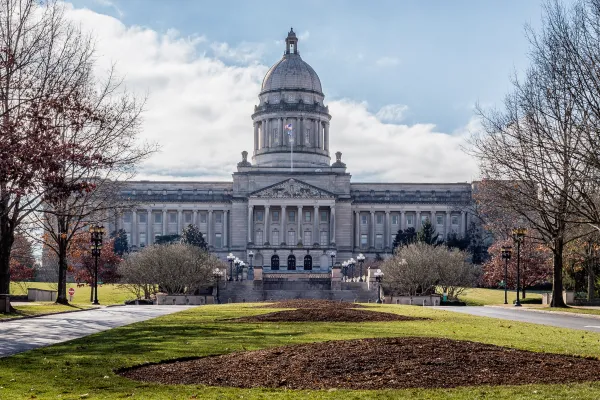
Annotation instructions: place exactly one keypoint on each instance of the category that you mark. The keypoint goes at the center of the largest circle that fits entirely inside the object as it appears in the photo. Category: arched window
(275, 262)
(291, 262)
(307, 262)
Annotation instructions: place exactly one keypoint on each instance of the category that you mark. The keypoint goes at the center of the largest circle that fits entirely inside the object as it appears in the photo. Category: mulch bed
(308, 303)
(394, 363)
(326, 315)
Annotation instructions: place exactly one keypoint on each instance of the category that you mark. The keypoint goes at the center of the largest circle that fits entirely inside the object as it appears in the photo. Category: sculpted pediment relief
(291, 189)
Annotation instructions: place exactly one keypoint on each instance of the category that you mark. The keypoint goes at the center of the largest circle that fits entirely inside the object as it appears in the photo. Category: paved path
(573, 321)
(30, 333)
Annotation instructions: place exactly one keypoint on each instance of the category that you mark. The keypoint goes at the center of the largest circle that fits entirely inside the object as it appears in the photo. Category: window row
(410, 219)
(259, 216)
(307, 239)
(143, 241)
(142, 217)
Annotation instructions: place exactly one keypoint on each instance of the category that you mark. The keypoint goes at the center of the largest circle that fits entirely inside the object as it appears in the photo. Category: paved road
(561, 320)
(30, 333)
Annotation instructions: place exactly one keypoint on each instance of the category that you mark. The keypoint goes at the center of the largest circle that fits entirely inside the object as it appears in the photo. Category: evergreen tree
(428, 235)
(404, 238)
(167, 239)
(121, 245)
(191, 235)
(456, 242)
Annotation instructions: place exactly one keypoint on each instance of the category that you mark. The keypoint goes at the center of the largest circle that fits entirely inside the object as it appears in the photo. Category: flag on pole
(288, 128)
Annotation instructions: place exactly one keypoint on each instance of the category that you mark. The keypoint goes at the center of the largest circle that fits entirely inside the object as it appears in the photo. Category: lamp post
(332, 255)
(518, 236)
(217, 274)
(378, 275)
(250, 267)
(96, 232)
(237, 262)
(361, 260)
(242, 265)
(506, 254)
(230, 258)
(345, 271)
(351, 264)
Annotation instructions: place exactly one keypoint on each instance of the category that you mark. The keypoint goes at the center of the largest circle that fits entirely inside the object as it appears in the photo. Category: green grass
(484, 297)
(42, 308)
(84, 368)
(107, 294)
(574, 310)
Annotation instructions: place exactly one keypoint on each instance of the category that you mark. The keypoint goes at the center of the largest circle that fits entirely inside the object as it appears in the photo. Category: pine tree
(191, 235)
(121, 245)
(428, 235)
(404, 238)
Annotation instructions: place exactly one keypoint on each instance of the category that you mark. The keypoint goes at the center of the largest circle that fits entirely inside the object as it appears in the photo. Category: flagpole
(292, 155)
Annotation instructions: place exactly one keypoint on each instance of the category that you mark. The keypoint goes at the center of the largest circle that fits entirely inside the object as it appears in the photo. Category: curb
(580, 315)
(56, 313)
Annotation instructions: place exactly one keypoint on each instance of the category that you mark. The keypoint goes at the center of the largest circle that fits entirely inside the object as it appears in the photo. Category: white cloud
(199, 112)
(244, 53)
(110, 4)
(392, 113)
(387, 62)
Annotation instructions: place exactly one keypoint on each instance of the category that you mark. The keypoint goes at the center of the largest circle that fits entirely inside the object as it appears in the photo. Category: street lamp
(96, 232)
(237, 262)
(332, 255)
(378, 275)
(242, 265)
(361, 260)
(518, 236)
(345, 271)
(217, 274)
(230, 258)
(506, 254)
(251, 267)
(351, 263)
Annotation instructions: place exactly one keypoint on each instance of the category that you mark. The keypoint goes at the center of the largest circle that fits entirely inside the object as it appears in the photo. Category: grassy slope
(484, 297)
(85, 367)
(107, 294)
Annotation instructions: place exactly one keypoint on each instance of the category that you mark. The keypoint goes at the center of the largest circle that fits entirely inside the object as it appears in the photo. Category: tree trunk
(62, 272)
(523, 292)
(557, 281)
(591, 283)
(7, 237)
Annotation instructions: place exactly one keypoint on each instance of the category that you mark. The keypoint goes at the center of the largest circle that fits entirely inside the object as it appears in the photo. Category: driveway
(30, 333)
(572, 321)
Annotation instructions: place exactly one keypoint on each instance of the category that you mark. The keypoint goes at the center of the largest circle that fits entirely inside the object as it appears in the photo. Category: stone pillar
(387, 232)
(300, 235)
(267, 135)
(255, 136)
(164, 222)
(447, 230)
(301, 131)
(463, 230)
(418, 221)
(267, 233)
(134, 228)
(195, 217)
(284, 238)
(179, 221)
(149, 240)
(372, 229)
(402, 220)
(210, 228)
(315, 235)
(326, 141)
(250, 223)
(332, 223)
(280, 132)
(357, 229)
(225, 229)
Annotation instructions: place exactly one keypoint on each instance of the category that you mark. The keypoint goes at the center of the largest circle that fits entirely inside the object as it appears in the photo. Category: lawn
(485, 297)
(42, 308)
(84, 368)
(107, 294)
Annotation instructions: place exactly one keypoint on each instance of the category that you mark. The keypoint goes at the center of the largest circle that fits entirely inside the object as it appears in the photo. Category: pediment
(292, 189)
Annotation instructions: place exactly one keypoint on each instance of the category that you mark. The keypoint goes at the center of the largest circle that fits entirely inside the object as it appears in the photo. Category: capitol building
(291, 203)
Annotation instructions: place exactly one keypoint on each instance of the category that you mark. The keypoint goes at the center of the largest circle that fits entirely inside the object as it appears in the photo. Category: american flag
(288, 128)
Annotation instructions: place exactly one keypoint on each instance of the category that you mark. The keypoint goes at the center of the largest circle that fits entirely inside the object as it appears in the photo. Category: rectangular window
(363, 219)
(455, 220)
(203, 218)
(218, 241)
(395, 219)
(410, 220)
(259, 216)
(379, 241)
(142, 239)
(158, 218)
(219, 218)
(127, 217)
(291, 238)
(143, 217)
(259, 238)
(275, 216)
(292, 216)
(307, 216)
(307, 238)
(363, 241)
(275, 241)
(324, 241)
(379, 219)
(188, 217)
(172, 218)
(440, 219)
(424, 218)
(323, 216)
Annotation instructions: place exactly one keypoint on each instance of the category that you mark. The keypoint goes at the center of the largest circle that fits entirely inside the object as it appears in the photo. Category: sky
(401, 78)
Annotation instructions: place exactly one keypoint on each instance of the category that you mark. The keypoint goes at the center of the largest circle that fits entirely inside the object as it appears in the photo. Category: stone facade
(291, 206)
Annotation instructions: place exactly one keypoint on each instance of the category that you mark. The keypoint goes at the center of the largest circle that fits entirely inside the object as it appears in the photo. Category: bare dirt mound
(326, 315)
(395, 363)
(307, 303)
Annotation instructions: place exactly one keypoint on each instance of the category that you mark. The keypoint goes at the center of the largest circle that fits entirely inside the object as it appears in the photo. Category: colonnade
(270, 133)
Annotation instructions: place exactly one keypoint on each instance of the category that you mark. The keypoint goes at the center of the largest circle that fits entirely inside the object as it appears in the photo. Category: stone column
(195, 217)
(210, 228)
(164, 222)
(284, 238)
(149, 227)
(447, 223)
(326, 136)
(418, 221)
(225, 229)
(250, 223)
(282, 133)
(357, 229)
(267, 141)
(300, 235)
(179, 221)
(332, 223)
(402, 220)
(387, 232)
(463, 230)
(255, 136)
(267, 234)
(134, 228)
(372, 229)
(316, 238)
(301, 131)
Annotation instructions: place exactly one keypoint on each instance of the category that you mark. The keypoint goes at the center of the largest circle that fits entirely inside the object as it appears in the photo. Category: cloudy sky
(401, 77)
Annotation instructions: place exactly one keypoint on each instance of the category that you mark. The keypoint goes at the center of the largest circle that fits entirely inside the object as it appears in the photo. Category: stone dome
(291, 72)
